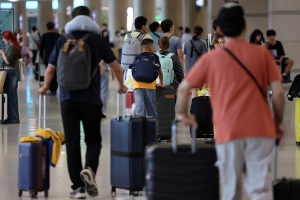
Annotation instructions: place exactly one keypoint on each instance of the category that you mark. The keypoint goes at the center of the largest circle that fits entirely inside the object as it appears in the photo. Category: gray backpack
(74, 64)
(131, 48)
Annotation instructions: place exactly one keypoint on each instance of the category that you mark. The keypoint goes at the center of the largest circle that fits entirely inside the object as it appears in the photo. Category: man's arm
(49, 73)
(183, 102)
(180, 56)
(118, 72)
(278, 106)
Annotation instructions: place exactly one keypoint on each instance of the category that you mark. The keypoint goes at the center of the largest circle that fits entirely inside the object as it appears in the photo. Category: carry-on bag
(33, 172)
(129, 102)
(3, 107)
(284, 189)
(165, 108)
(176, 172)
(202, 110)
(2, 80)
(129, 137)
(297, 120)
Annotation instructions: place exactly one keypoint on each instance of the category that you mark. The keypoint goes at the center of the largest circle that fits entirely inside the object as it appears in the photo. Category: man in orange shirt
(244, 126)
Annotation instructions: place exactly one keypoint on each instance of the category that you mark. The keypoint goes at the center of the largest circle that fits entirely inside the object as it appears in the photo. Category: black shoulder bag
(193, 48)
(156, 34)
(248, 72)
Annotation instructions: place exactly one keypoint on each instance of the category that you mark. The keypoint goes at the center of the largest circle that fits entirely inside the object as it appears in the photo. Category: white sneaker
(79, 193)
(88, 177)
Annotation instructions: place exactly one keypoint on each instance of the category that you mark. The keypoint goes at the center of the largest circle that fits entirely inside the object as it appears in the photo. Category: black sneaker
(79, 193)
(88, 177)
(290, 97)
(103, 116)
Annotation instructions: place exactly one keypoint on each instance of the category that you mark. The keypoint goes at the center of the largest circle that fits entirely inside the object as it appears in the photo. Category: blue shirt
(175, 44)
(155, 38)
(99, 50)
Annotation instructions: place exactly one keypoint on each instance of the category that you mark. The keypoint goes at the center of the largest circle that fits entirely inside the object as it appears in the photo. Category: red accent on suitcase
(129, 99)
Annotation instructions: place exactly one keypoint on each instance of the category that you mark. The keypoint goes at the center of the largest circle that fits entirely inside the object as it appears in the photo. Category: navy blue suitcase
(33, 172)
(129, 137)
(33, 168)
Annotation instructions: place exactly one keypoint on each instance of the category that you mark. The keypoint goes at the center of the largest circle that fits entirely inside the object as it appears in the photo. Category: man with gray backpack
(76, 57)
(132, 47)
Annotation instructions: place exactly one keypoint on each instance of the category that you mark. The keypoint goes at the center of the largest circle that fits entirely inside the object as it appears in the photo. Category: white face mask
(122, 31)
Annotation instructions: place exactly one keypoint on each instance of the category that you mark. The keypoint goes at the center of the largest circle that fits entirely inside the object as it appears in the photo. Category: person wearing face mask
(11, 61)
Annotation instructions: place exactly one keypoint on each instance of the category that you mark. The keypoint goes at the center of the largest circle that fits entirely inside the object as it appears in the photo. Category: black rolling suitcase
(165, 108)
(129, 137)
(177, 172)
(285, 189)
(201, 108)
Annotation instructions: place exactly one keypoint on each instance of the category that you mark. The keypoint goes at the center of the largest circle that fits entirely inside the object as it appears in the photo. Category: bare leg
(289, 64)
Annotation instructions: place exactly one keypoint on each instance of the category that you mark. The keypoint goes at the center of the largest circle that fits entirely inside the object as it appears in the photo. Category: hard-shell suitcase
(33, 172)
(129, 102)
(165, 108)
(297, 120)
(284, 189)
(129, 137)
(176, 172)
(3, 107)
(201, 108)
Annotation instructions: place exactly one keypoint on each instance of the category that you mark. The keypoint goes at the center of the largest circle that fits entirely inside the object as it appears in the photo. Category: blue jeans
(11, 87)
(104, 90)
(145, 100)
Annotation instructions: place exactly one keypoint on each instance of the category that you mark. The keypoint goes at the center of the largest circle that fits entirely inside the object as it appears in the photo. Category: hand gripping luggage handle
(174, 137)
(40, 110)
(118, 106)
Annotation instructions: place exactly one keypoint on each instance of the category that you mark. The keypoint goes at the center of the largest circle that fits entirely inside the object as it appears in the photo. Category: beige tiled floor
(289, 154)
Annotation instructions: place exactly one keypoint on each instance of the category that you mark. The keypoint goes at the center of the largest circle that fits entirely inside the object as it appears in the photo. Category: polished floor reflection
(289, 154)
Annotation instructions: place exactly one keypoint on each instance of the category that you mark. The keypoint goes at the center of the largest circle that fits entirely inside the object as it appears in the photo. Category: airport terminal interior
(268, 14)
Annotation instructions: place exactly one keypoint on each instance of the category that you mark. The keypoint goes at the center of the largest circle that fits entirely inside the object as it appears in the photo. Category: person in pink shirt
(246, 130)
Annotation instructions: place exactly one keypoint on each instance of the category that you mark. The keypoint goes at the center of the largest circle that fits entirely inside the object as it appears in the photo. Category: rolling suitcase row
(129, 137)
(3, 107)
(33, 172)
(176, 172)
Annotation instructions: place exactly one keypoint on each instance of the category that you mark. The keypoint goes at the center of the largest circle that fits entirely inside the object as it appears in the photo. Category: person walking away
(163, 45)
(118, 43)
(187, 36)
(34, 42)
(192, 51)
(84, 105)
(145, 92)
(48, 41)
(242, 118)
(156, 33)
(11, 61)
(175, 42)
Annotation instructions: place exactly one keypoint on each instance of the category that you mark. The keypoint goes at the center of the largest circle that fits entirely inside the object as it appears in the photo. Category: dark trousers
(89, 114)
(34, 54)
(53, 85)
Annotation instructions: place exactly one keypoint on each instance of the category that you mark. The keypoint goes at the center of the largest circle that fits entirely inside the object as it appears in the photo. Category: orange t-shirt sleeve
(273, 71)
(198, 74)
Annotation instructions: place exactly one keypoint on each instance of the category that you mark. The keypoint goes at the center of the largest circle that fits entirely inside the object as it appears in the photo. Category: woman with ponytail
(192, 51)
(11, 60)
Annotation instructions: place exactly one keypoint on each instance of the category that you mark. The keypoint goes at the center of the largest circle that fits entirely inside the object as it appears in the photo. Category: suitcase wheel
(113, 191)
(297, 144)
(33, 194)
(46, 193)
(133, 193)
(20, 193)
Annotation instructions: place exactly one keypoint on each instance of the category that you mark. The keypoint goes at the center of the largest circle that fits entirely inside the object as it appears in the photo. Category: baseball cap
(231, 19)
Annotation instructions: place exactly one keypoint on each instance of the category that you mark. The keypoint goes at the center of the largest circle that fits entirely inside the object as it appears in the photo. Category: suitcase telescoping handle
(118, 106)
(174, 137)
(44, 110)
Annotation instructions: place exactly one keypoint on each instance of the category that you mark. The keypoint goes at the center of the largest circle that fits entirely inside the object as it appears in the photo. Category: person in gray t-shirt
(175, 42)
(192, 53)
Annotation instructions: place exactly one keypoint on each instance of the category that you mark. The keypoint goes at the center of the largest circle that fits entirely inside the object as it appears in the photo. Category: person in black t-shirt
(276, 48)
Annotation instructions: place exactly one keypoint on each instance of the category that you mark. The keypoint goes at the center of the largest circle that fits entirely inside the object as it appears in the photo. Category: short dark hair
(180, 28)
(271, 32)
(154, 26)
(146, 43)
(166, 25)
(81, 10)
(231, 19)
(187, 30)
(34, 28)
(140, 21)
(50, 25)
(215, 24)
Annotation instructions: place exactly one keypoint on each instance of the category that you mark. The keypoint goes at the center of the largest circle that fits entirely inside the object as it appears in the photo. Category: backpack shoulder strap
(194, 48)
(156, 34)
(170, 36)
(141, 36)
(86, 36)
(169, 55)
(129, 35)
(69, 36)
